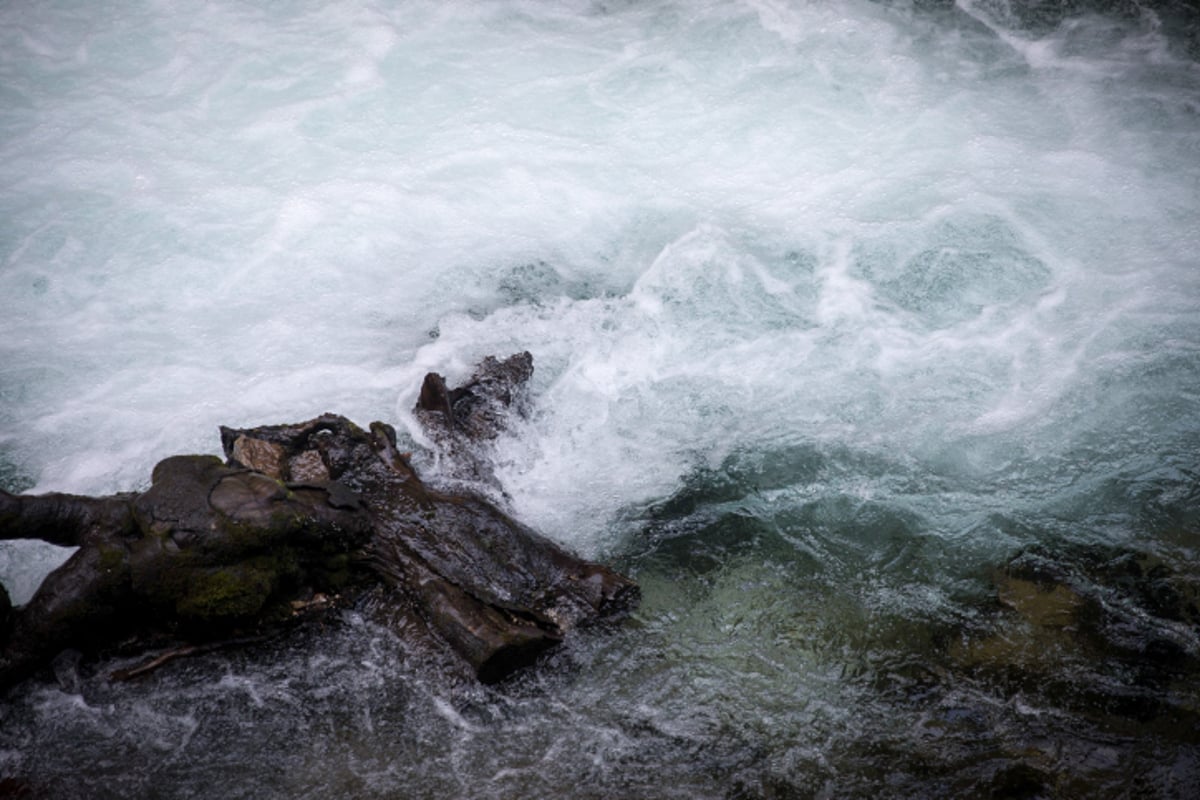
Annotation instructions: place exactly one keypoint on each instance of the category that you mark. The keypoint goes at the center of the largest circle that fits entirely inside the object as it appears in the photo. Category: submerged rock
(1108, 631)
(214, 548)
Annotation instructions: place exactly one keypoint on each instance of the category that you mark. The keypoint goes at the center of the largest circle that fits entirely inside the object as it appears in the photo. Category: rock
(463, 420)
(477, 409)
(300, 511)
(1053, 606)
(6, 613)
(66, 520)
(266, 457)
(1040, 627)
(206, 550)
(494, 590)
(1104, 630)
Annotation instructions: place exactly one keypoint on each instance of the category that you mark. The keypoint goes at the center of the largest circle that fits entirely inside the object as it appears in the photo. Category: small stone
(307, 467)
(257, 454)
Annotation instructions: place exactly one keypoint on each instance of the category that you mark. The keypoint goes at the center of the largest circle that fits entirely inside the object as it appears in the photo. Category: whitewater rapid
(818, 220)
(909, 286)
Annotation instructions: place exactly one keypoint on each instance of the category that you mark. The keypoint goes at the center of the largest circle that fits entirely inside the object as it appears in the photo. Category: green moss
(226, 594)
(235, 537)
(112, 558)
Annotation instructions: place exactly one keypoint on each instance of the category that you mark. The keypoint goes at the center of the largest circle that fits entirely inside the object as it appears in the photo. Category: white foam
(717, 226)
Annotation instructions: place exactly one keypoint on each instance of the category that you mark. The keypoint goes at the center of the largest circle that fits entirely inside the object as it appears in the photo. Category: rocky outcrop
(464, 420)
(496, 591)
(213, 549)
(209, 549)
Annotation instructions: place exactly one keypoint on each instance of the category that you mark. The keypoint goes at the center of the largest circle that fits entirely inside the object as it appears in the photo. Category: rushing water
(867, 338)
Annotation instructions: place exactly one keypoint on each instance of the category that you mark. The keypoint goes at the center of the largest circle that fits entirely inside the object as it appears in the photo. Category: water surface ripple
(867, 338)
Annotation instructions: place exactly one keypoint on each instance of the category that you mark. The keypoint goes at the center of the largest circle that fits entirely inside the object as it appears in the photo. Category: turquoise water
(867, 338)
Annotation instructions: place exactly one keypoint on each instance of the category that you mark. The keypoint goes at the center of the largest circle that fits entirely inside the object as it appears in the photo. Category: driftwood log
(215, 549)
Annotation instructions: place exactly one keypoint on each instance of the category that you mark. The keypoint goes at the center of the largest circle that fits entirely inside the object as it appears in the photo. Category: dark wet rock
(464, 419)
(1157, 585)
(14, 789)
(66, 671)
(302, 511)
(1019, 780)
(1106, 631)
(476, 410)
(493, 589)
(207, 550)
(1039, 594)
(6, 612)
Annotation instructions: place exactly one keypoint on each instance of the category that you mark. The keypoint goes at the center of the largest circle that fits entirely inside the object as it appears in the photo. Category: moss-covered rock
(214, 547)
(492, 589)
(227, 595)
(207, 550)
